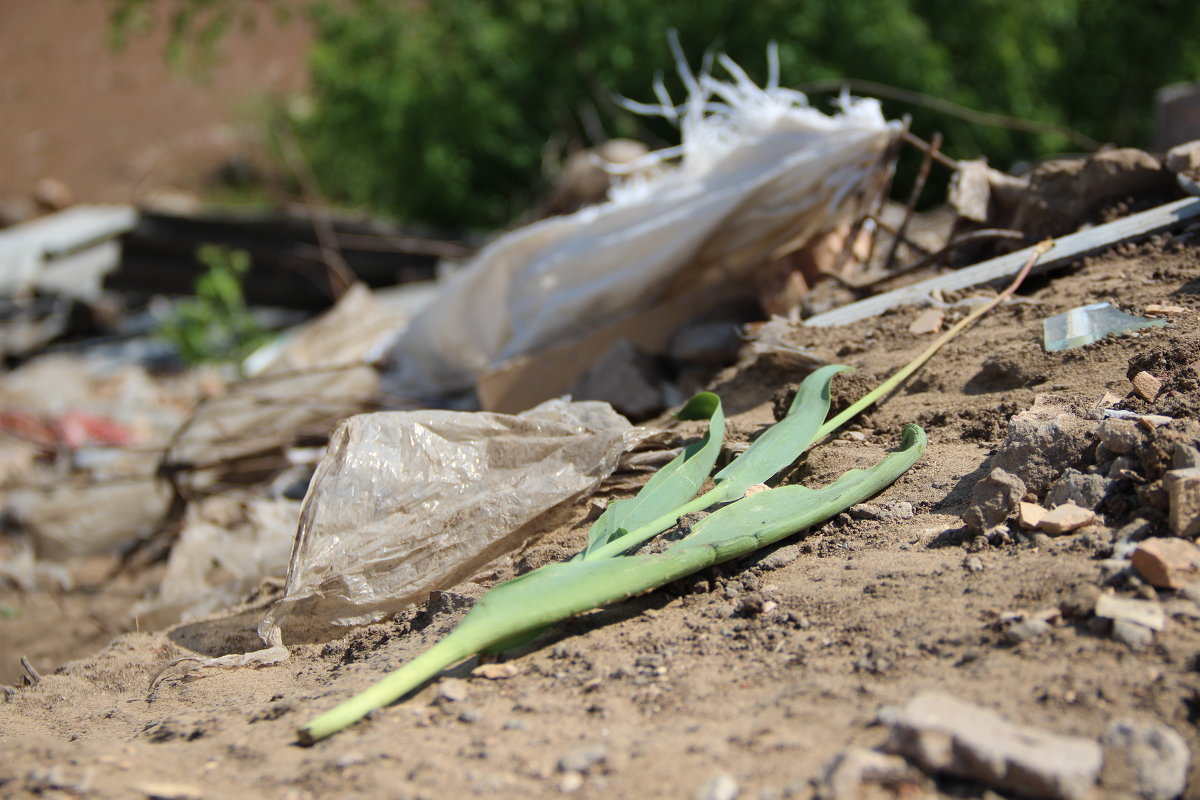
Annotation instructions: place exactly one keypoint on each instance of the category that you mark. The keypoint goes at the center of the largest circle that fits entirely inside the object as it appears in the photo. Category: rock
(1026, 630)
(845, 776)
(973, 564)
(1158, 308)
(1066, 518)
(1042, 442)
(943, 734)
(1085, 491)
(721, 786)
(167, 790)
(1125, 467)
(866, 511)
(1167, 563)
(1135, 636)
(1184, 157)
(1030, 514)
(1121, 436)
(582, 759)
(1184, 456)
(1183, 497)
(1146, 386)
(1144, 759)
(570, 783)
(1144, 612)
(899, 510)
(496, 672)
(928, 321)
(993, 499)
(626, 377)
(451, 690)
(780, 558)
(1065, 192)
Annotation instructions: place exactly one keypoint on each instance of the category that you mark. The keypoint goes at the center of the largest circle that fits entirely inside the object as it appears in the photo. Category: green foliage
(216, 325)
(440, 111)
(444, 111)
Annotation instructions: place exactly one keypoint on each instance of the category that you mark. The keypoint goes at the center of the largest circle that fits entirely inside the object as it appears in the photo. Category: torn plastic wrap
(411, 501)
(760, 171)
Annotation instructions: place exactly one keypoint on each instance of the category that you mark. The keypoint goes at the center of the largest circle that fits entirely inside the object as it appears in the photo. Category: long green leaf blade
(670, 487)
(784, 441)
(558, 591)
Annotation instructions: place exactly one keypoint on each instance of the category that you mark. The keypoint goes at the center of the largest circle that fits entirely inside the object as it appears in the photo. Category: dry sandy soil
(761, 670)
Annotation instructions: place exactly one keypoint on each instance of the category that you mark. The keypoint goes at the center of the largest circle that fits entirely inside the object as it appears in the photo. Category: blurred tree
(443, 111)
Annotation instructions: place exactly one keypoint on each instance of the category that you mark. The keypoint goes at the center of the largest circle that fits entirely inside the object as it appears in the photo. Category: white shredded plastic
(758, 168)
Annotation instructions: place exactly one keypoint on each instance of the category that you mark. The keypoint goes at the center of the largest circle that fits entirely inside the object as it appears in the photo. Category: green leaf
(784, 441)
(670, 487)
(558, 591)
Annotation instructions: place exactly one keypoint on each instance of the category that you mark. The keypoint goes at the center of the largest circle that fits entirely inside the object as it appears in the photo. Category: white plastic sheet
(760, 170)
(407, 502)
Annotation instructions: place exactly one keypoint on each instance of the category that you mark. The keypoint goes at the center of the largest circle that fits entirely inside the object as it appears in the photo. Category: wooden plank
(1066, 249)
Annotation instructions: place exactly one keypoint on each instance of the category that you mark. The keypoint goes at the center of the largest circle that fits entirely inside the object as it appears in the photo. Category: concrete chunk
(1144, 759)
(1167, 563)
(944, 734)
(1183, 491)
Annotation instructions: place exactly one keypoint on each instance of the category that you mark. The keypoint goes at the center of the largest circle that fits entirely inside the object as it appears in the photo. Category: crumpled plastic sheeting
(760, 170)
(228, 545)
(411, 501)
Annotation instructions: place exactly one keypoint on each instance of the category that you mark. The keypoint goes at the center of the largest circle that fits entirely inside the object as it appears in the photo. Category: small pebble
(721, 786)
(1134, 636)
(581, 759)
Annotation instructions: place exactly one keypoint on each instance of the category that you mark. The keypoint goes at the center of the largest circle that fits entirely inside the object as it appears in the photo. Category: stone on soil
(993, 500)
(1042, 442)
(581, 759)
(1086, 491)
(1066, 518)
(1030, 514)
(1146, 386)
(847, 774)
(943, 734)
(928, 321)
(721, 786)
(1143, 612)
(1167, 563)
(1183, 493)
(1144, 759)
(1122, 437)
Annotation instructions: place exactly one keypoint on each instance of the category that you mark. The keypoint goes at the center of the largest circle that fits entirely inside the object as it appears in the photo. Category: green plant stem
(889, 385)
(446, 653)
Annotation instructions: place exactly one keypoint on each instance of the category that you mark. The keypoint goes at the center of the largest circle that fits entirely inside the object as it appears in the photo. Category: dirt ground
(760, 670)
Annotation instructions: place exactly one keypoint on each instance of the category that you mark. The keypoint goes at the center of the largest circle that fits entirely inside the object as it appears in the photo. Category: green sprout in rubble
(216, 324)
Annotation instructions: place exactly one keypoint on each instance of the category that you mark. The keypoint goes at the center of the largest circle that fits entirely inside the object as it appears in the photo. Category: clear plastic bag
(410, 501)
